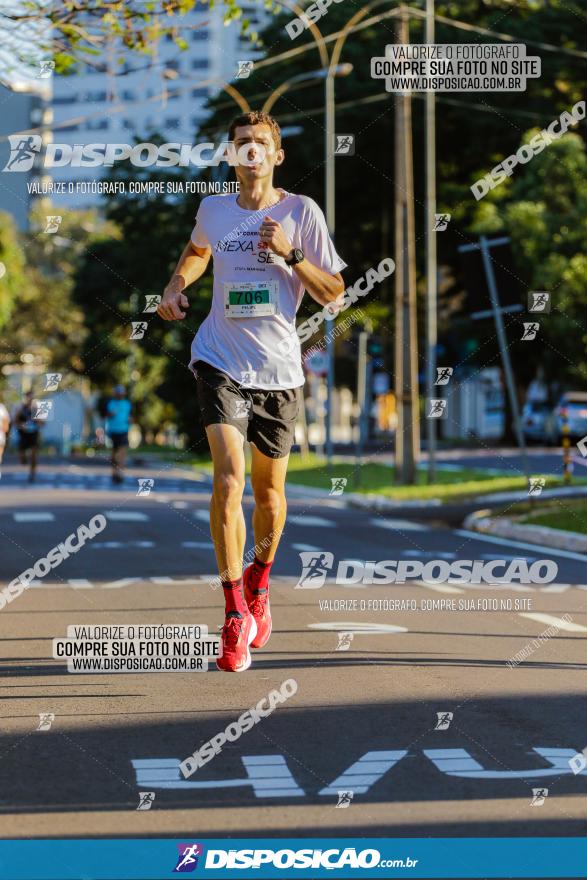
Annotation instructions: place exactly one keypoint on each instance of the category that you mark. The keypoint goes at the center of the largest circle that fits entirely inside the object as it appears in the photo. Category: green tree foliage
(14, 279)
(70, 32)
(474, 133)
(543, 208)
(112, 285)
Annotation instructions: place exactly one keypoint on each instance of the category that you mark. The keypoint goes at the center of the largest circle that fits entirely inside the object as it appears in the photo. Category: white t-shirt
(247, 348)
(4, 418)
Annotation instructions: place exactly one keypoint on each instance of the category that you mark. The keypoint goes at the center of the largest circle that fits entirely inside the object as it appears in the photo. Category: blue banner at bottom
(223, 859)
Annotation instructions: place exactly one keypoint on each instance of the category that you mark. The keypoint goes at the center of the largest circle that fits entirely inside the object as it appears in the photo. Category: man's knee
(228, 489)
(270, 501)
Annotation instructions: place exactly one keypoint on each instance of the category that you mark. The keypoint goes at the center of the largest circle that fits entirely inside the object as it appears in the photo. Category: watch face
(298, 255)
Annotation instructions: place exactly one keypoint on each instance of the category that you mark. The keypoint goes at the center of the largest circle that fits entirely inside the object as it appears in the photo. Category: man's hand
(272, 234)
(172, 302)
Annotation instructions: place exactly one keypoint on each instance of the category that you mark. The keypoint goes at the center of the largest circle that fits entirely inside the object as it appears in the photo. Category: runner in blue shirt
(117, 425)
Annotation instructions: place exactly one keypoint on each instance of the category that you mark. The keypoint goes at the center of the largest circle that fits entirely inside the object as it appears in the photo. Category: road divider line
(126, 516)
(440, 588)
(550, 620)
(80, 583)
(368, 629)
(302, 519)
(550, 551)
(398, 525)
(34, 516)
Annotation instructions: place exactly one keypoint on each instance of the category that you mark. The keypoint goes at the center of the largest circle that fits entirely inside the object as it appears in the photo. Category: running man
(117, 424)
(4, 429)
(269, 246)
(29, 430)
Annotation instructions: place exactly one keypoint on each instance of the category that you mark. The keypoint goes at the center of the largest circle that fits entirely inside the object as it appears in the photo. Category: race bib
(248, 299)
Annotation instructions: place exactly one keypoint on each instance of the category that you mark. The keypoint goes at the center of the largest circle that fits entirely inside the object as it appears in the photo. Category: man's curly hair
(257, 117)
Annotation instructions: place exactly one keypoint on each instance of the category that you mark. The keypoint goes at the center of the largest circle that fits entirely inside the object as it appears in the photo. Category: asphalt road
(362, 719)
(507, 461)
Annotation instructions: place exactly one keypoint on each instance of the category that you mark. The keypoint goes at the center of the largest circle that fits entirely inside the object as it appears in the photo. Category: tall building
(25, 109)
(107, 102)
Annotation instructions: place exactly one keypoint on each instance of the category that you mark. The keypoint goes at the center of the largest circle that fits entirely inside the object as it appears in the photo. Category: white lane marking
(310, 521)
(202, 515)
(490, 539)
(441, 588)
(365, 772)
(180, 505)
(84, 584)
(305, 548)
(268, 775)
(398, 525)
(458, 762)
(550, 620)
(34, 516)
(122, 582)
(117, 545)
(126, 516)
(375, 629)
(165, 580)
(197, 545)
(509, 556)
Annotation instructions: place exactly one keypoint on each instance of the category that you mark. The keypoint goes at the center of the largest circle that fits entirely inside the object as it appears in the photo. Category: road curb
(378, 503)
(506, 527)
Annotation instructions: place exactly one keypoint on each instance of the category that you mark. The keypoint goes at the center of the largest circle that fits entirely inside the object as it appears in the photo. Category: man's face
(257, 136)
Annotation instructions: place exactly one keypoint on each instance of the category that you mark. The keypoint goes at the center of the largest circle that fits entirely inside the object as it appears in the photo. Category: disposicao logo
(187, 860)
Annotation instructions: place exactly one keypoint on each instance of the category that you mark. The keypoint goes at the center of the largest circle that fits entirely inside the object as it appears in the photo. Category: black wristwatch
(296, 256)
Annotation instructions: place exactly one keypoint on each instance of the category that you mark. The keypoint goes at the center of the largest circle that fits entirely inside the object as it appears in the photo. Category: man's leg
(34, 453)
(118, 458)
(268, 481)
(227, 526)
(227, 523)
(121, 460)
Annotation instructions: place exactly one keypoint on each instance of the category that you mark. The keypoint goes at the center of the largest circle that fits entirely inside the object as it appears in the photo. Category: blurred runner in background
(4, 429)
(29, 430)
(117, 424)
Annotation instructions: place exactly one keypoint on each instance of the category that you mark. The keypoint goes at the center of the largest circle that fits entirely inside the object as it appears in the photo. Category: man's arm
(322, 286)
(191, 266)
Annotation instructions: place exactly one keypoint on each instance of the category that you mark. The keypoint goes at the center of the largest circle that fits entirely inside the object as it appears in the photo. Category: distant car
(575, 405)
(539, 423)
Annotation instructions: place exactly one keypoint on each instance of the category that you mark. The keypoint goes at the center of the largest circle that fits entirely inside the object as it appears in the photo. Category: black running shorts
(265, 418)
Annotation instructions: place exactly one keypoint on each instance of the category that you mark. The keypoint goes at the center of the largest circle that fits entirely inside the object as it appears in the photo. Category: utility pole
(431, 260)
(329, 109)
(406, 355)
(485, 245)
(363, 396)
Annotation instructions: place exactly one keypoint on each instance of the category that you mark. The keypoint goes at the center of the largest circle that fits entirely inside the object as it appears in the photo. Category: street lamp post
(431, 267)
(328, 75)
